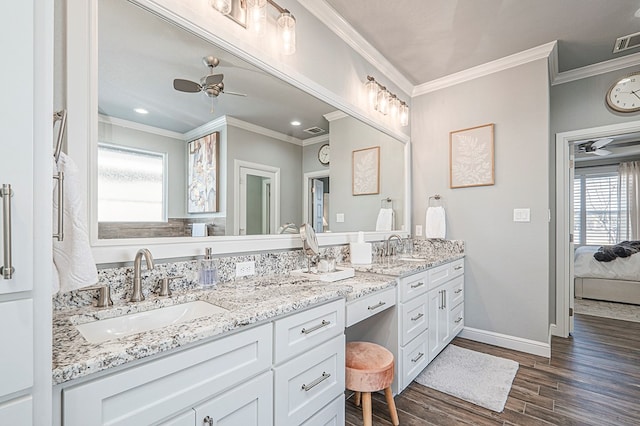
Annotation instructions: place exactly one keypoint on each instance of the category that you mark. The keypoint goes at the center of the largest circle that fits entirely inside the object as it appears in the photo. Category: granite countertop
(247, 301)
(397, 267)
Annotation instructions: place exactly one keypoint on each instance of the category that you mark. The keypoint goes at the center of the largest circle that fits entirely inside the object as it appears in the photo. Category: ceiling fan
(211, 84)
(596, 147)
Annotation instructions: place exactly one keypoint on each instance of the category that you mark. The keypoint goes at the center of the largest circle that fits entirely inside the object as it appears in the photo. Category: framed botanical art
(202, 181)
(471, 157)
(366, 171)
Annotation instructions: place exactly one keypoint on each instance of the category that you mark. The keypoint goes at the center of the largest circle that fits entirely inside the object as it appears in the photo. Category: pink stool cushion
(369, 367)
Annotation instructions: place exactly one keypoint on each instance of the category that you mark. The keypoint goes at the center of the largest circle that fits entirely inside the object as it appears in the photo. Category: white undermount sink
(125, 325)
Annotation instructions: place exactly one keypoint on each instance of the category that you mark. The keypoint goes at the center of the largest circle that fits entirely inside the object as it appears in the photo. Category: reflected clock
(624, 94)
(323, 154)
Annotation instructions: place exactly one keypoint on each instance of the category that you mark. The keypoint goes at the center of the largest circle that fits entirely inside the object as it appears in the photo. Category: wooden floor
(592, 378)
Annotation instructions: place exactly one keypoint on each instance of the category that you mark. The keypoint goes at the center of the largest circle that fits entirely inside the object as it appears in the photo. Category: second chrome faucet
(136, 292)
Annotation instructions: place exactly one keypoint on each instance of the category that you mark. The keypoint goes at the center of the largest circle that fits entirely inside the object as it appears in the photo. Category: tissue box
(360, 253)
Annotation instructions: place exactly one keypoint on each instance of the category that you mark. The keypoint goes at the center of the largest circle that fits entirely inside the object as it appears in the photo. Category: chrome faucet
(387, 248)
(136, 294)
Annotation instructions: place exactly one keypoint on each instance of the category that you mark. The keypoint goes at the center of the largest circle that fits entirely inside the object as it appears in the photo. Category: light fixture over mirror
(254, 13)
(385, 102)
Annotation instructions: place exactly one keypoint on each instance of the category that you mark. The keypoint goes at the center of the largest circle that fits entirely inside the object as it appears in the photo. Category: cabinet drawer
(157, 389)
(413, 359)
(188, 418)
(248, 404)
(331, 415)
(456, 268)
(365, 307)
(455, 291)
(439, 275)
(309, 382)
(457, 320)
(414, 319)
(413, 285)
(300, 332)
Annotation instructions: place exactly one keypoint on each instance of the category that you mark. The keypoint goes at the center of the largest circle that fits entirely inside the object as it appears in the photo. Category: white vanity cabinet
(309, 362)
(167, 388)
(446, 305)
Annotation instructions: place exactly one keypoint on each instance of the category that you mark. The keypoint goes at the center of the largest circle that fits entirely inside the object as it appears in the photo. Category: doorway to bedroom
(597, 198)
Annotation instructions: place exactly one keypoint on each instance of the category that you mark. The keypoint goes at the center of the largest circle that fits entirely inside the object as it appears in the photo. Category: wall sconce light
(385, 102)
(252, 14)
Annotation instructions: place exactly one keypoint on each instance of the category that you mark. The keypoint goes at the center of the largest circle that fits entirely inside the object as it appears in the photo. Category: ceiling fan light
(222, 6)
(257, 16)
(286, 24)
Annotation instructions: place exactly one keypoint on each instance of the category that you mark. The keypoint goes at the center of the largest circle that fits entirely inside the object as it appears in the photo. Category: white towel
(73, 263)
(385, 220)
(435, 222)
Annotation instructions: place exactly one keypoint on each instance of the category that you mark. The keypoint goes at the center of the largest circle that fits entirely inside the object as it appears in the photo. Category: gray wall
(579, 105)
(507, 263)
(360, 212)
(256, 148)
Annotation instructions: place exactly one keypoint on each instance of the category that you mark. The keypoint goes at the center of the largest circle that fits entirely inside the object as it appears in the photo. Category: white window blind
(597, 208)
(131, 185)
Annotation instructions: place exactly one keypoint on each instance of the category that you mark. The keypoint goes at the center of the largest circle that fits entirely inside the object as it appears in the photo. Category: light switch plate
(418, 230)
(339, 217)
(522, 215)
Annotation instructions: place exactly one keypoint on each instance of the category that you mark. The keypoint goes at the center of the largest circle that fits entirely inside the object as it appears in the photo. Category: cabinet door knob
(207, 421)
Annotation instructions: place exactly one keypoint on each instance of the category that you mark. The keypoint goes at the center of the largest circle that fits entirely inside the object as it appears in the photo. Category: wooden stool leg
(366, 408)
(357, 399)
(392, 407)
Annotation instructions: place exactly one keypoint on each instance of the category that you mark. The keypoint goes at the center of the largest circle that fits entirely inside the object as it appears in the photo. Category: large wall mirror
(193, 141)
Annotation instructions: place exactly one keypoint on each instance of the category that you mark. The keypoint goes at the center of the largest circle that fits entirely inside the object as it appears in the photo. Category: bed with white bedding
(614, 281)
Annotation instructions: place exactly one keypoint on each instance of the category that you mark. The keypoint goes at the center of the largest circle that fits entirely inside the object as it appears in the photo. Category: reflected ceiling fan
(211, 84)
(596, 147)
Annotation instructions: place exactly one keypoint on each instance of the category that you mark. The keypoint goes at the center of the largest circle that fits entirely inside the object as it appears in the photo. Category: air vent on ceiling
(314, 130)
(627, 42)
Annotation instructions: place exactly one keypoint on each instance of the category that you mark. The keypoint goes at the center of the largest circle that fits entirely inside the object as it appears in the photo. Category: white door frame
(273, 172)
(306, 178)
(564, 270)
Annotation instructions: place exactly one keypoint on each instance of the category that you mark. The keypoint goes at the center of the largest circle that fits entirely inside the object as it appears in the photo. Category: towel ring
(436, 198)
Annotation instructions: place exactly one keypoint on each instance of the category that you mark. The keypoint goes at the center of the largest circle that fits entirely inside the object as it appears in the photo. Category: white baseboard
(505, 341)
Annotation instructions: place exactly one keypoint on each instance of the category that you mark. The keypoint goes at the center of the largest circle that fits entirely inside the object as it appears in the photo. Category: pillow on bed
(623, 249)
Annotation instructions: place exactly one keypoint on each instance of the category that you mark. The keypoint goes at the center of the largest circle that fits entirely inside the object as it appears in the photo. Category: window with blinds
(598, 208)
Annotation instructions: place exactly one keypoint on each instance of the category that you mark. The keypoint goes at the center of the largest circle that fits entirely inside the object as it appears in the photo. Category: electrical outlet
(418, 230)
(245, 268)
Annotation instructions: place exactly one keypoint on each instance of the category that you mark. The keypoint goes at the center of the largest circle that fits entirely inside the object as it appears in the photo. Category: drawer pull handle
(316, 382)
(324, 323)
(458, 320)
(458, 291)
(417, 317)
(376, 306)
(457, 268)
(420, 355)
(420, 284)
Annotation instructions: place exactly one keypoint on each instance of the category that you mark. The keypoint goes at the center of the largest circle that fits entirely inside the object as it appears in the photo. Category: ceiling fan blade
(234, 93)
(186, 86)
(601, 152)
(602, 142)
(213, 79)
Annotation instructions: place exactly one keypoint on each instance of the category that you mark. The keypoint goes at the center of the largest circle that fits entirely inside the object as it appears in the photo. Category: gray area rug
(481, 379)
(597, 308)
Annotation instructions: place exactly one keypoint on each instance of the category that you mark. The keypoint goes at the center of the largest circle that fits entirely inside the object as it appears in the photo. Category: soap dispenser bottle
(208, 270)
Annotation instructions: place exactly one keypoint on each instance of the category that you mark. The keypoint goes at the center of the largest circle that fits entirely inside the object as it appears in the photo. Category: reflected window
(131, 185)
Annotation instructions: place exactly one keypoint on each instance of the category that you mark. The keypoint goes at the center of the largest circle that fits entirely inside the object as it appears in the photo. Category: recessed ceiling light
(295, 123)
(141, 111)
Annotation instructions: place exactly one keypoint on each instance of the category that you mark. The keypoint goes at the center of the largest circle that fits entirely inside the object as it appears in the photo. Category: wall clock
(323, 154)
(624, 94)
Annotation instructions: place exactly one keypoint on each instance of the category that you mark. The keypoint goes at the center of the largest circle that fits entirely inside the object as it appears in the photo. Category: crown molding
(335, 115)
(316, 139)
(336, 23)
(205, 129)
(501, 64)
(597, 69)
(232, 121)
(141, 127)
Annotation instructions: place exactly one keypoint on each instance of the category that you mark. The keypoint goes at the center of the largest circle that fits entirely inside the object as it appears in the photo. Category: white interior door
(317, 209)
(571, 242)
(257, 195)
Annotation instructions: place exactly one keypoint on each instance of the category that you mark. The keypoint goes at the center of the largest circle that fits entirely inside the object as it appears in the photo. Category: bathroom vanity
(273, 355)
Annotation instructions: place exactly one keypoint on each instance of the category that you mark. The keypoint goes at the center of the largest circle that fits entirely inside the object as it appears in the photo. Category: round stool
(369, 368)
